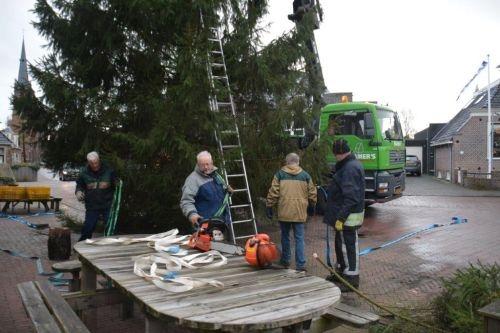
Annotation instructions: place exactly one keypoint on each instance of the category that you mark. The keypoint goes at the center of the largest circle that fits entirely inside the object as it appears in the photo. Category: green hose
(115, 209)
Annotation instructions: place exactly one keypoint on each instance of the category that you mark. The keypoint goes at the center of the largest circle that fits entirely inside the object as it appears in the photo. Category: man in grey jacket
(204, 194)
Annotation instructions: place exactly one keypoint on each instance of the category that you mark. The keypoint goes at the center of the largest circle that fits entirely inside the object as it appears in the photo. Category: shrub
(464, 293)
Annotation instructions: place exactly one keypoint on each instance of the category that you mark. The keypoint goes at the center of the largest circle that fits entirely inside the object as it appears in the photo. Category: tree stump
(59, 243)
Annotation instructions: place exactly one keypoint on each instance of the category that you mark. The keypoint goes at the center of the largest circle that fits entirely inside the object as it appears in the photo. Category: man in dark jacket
(95, 186)
(345, 211)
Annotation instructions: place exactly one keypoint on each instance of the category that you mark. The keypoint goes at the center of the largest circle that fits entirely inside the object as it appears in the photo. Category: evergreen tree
(129, 79)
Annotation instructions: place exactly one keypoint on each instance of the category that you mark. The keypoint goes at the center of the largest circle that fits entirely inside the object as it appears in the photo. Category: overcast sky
(414, 55)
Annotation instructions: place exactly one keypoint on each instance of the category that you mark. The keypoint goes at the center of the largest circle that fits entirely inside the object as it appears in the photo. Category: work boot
(333, 278)
(284, 265)
(353, 281)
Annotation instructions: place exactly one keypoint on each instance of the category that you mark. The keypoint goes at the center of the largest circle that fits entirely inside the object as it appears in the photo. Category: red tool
(203, 238)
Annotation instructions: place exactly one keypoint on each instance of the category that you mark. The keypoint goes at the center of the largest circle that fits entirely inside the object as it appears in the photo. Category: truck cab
(374, 135)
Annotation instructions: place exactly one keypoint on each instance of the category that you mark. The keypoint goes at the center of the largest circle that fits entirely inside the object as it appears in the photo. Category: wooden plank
(249, 295)
(274, 314)
(255, 278)
(66, 317)
(265, 315)
(36, 309)
(491, 310)
(369, 316)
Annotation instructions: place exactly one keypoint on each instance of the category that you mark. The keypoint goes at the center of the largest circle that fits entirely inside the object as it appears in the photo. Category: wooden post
(127, 309)
(59, 243)
(89, 283)
(153, 325)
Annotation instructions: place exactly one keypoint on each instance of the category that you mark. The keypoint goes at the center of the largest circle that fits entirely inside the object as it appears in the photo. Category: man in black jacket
(345, 211)
(95, 186)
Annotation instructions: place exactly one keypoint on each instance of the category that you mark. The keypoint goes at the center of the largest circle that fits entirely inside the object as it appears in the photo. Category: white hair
(92, 156)
(292, 159)
(203, 154)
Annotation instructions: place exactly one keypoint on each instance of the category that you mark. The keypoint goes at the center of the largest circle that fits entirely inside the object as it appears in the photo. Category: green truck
(375, 136)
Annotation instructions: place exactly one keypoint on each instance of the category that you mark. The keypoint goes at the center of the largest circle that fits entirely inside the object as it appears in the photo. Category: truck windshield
(350, 123)
(389, 125)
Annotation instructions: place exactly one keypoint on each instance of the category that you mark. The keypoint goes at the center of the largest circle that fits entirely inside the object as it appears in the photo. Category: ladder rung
(240, 190)
(214, 39)
(240, 206)
(247, 236)
(216, 52)
(229, 132)
(242, 221)
(218, 77)
(230, 146)
(236, 175)
(224, 103)
(216, 64)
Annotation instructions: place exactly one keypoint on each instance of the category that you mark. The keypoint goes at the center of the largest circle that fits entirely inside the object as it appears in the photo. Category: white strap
(168, 235)
(150, 262)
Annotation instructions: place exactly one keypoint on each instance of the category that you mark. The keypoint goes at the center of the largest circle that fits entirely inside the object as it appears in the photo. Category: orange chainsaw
(209, 235)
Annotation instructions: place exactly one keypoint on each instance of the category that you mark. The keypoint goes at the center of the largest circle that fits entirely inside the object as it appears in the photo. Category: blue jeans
(298, 233)
(91, 218)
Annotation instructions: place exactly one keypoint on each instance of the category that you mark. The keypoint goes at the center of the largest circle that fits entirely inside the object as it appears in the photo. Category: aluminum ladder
(227, 136)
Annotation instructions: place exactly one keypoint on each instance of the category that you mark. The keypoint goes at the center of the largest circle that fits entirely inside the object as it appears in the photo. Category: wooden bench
(341, 314)
(74, 267)
(51, 203)
(48, 310)
(351, 315)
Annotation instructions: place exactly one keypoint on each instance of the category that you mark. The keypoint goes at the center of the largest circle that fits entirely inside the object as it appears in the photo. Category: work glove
(194, 218)
(339, 225)
(80, 196)
(310, 210)
(269, 212)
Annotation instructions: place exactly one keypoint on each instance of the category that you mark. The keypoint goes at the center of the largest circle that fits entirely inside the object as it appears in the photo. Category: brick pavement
(406, 274)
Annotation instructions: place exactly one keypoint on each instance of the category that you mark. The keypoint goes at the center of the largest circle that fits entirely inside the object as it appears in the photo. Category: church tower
(28, 140)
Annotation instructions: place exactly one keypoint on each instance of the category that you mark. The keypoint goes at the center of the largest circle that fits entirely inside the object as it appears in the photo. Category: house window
(2, 155)
(496, 140)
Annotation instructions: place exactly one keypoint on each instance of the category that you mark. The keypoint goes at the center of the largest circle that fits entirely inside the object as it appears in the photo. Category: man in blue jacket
(204, 192)
(345, 211)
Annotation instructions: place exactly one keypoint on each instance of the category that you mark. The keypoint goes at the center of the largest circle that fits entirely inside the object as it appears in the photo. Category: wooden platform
(252, 299)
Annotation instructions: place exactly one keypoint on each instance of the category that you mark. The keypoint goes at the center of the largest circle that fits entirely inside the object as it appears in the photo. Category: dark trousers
(347, 252)
(91, 218)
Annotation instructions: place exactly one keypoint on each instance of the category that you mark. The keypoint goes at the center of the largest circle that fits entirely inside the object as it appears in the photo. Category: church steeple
(22, 77)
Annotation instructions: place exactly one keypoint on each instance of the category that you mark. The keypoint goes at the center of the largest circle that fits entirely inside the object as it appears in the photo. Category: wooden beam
(85, 300)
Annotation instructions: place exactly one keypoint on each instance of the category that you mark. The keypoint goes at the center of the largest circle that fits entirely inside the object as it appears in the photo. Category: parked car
(413, 165)
(69, 172)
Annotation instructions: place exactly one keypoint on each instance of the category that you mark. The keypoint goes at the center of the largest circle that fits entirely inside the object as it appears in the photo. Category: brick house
(423, 138)
(461, 145)
(10, 153)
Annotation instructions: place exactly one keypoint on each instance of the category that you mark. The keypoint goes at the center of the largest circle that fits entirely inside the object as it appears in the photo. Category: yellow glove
(339, 225)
